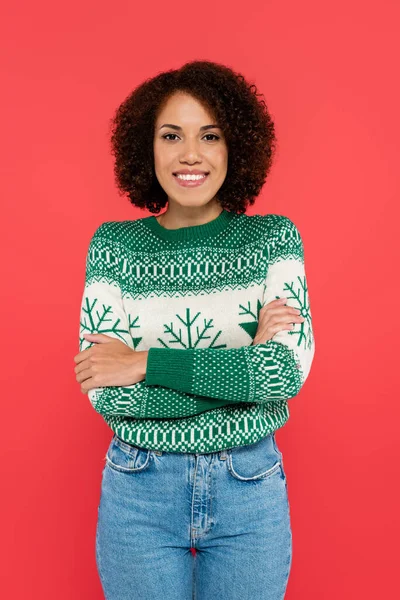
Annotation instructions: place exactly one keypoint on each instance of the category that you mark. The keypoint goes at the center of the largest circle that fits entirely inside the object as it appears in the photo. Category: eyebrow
(180, 128)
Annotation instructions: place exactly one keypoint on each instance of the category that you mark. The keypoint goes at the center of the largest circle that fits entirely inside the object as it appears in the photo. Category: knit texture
(191, 297)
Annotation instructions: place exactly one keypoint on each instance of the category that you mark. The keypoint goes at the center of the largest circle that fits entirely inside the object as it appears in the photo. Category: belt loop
(222, 454)
(158, 452)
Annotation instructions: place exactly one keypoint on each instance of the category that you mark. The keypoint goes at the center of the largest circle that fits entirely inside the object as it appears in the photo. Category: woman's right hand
(274, 317)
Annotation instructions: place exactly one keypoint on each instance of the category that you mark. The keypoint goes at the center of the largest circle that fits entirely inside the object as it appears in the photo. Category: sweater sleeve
(264, 372)
(102, 311)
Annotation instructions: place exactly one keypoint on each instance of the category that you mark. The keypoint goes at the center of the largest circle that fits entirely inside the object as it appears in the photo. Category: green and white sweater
(191, 297)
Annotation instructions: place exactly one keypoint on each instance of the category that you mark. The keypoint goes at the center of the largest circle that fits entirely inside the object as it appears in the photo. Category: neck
(177, 216)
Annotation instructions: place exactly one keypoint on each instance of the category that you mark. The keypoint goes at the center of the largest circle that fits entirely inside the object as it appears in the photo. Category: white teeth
(191, 177)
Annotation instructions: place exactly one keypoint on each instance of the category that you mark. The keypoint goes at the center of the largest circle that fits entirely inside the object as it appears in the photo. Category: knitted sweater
(191, 297)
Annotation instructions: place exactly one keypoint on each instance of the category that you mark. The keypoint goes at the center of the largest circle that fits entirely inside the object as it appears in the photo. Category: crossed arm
(179, 383)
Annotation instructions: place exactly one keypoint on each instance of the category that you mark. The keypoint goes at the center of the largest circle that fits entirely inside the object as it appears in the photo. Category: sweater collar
(194, 232)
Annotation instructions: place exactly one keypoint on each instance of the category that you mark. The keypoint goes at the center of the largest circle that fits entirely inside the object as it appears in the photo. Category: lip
(188, 183)
(190, 172)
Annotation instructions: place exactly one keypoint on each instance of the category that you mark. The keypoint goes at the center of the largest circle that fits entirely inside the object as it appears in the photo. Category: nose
(190, 151)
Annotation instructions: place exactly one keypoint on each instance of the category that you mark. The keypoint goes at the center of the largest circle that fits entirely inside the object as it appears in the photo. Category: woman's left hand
(108, 362)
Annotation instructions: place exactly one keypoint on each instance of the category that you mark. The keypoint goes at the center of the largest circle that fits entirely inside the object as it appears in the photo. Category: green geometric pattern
(301, 301)
(251, 325)
(194, 332)
(96, 319)
(218, 429)
(259, 373)
(199, 296)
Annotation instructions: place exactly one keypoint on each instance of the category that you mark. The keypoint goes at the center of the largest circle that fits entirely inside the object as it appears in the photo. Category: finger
(83, 355)
(277, 301)
(89, 384)
(82, 367)
(279, 316)
(285, 309)
(290, 325)
(99, 338)
(290, 319)
(83, 375)
(274, 304)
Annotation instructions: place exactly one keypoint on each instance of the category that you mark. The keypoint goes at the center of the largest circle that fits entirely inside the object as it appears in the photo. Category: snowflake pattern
(304, 331)
(102, 320)
(250, 327)
(187, 338)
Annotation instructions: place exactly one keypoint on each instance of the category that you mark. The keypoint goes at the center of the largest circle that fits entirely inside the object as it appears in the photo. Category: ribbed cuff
(170, 368)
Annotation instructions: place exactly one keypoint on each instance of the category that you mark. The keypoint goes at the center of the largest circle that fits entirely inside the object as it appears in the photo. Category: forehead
(182, 108)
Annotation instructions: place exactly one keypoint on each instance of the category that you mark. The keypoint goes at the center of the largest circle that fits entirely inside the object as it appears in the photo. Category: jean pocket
(281, 456)
(254, 461)
(126, 458)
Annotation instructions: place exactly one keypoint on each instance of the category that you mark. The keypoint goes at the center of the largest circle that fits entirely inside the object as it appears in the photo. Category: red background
(329, 73)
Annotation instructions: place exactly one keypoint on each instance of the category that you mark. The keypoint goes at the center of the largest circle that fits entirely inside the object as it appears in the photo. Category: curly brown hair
(240, 111)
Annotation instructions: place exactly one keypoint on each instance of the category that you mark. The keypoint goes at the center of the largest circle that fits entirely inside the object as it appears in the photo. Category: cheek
(219, 157)
(221, 161)
(163, 159)
(158, 156)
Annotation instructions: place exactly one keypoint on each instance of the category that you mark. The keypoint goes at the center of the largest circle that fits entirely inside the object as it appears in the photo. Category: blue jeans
(230, 505)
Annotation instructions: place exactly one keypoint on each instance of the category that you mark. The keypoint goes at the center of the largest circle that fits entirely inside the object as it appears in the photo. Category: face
(187, 139)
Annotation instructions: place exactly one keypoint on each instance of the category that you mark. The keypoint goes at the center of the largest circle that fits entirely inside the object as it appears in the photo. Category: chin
(193, 202)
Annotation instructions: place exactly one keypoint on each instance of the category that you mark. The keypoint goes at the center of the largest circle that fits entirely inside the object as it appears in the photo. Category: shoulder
(115, 231)
(279, 225)
(116, 234)
(283, 237)
(272, 228)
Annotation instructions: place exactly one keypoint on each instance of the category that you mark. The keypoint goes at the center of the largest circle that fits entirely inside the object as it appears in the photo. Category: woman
(195, 331)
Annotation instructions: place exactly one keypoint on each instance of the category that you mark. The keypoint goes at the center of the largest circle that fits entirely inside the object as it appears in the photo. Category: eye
(166, 136)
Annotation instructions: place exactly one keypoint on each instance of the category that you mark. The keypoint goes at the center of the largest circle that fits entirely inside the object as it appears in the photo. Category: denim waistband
(221, 453)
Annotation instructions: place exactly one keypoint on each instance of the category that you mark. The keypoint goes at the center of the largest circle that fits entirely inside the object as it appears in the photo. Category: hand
(108, 362)
(274, 317)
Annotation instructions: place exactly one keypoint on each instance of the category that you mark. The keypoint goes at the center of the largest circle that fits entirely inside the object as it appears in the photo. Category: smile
(190, 180)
